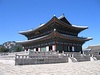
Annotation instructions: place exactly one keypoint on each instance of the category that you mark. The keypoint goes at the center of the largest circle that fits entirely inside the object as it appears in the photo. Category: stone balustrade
(48, 58)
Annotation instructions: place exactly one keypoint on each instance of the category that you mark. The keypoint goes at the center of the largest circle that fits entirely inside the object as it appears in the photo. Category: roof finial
(54, 15)
(63, 15)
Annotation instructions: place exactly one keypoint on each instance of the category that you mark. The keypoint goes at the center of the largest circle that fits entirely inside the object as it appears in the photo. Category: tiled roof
(57, 35)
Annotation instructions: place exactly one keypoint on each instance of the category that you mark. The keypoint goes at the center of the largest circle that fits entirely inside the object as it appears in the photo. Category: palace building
(58, 34)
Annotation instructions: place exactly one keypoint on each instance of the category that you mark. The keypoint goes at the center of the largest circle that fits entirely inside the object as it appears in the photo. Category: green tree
(18, 48)
(3, 49)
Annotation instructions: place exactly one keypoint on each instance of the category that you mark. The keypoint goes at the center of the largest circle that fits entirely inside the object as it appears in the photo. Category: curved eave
(24, 32)
(89, 38)
(75, 38)
(28, 31)
(57, 35)
(27, 41)
(67, 22)
(40, 27)
(81, 27)
(75, 27)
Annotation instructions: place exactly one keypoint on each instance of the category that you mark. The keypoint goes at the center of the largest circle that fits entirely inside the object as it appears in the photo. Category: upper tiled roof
(61, 20)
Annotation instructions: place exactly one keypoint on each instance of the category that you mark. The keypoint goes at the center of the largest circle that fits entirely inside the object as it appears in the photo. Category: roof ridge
(62, 16)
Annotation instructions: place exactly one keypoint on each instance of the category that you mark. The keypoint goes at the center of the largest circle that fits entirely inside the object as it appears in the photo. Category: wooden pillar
(63, 46)
(47, 48)
(34, 49)
(68, 49)
(40, 47)
(81, 50)
(55, 46)
(73, 49)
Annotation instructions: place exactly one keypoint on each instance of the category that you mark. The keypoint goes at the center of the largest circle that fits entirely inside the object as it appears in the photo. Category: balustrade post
(72, 55)
(92, 55)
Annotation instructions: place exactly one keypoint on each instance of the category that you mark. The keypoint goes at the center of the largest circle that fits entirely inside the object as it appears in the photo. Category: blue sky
(19, 15)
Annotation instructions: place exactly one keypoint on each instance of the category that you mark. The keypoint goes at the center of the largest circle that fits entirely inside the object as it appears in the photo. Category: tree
(11, 46)
(3, 49)
(18, 48)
